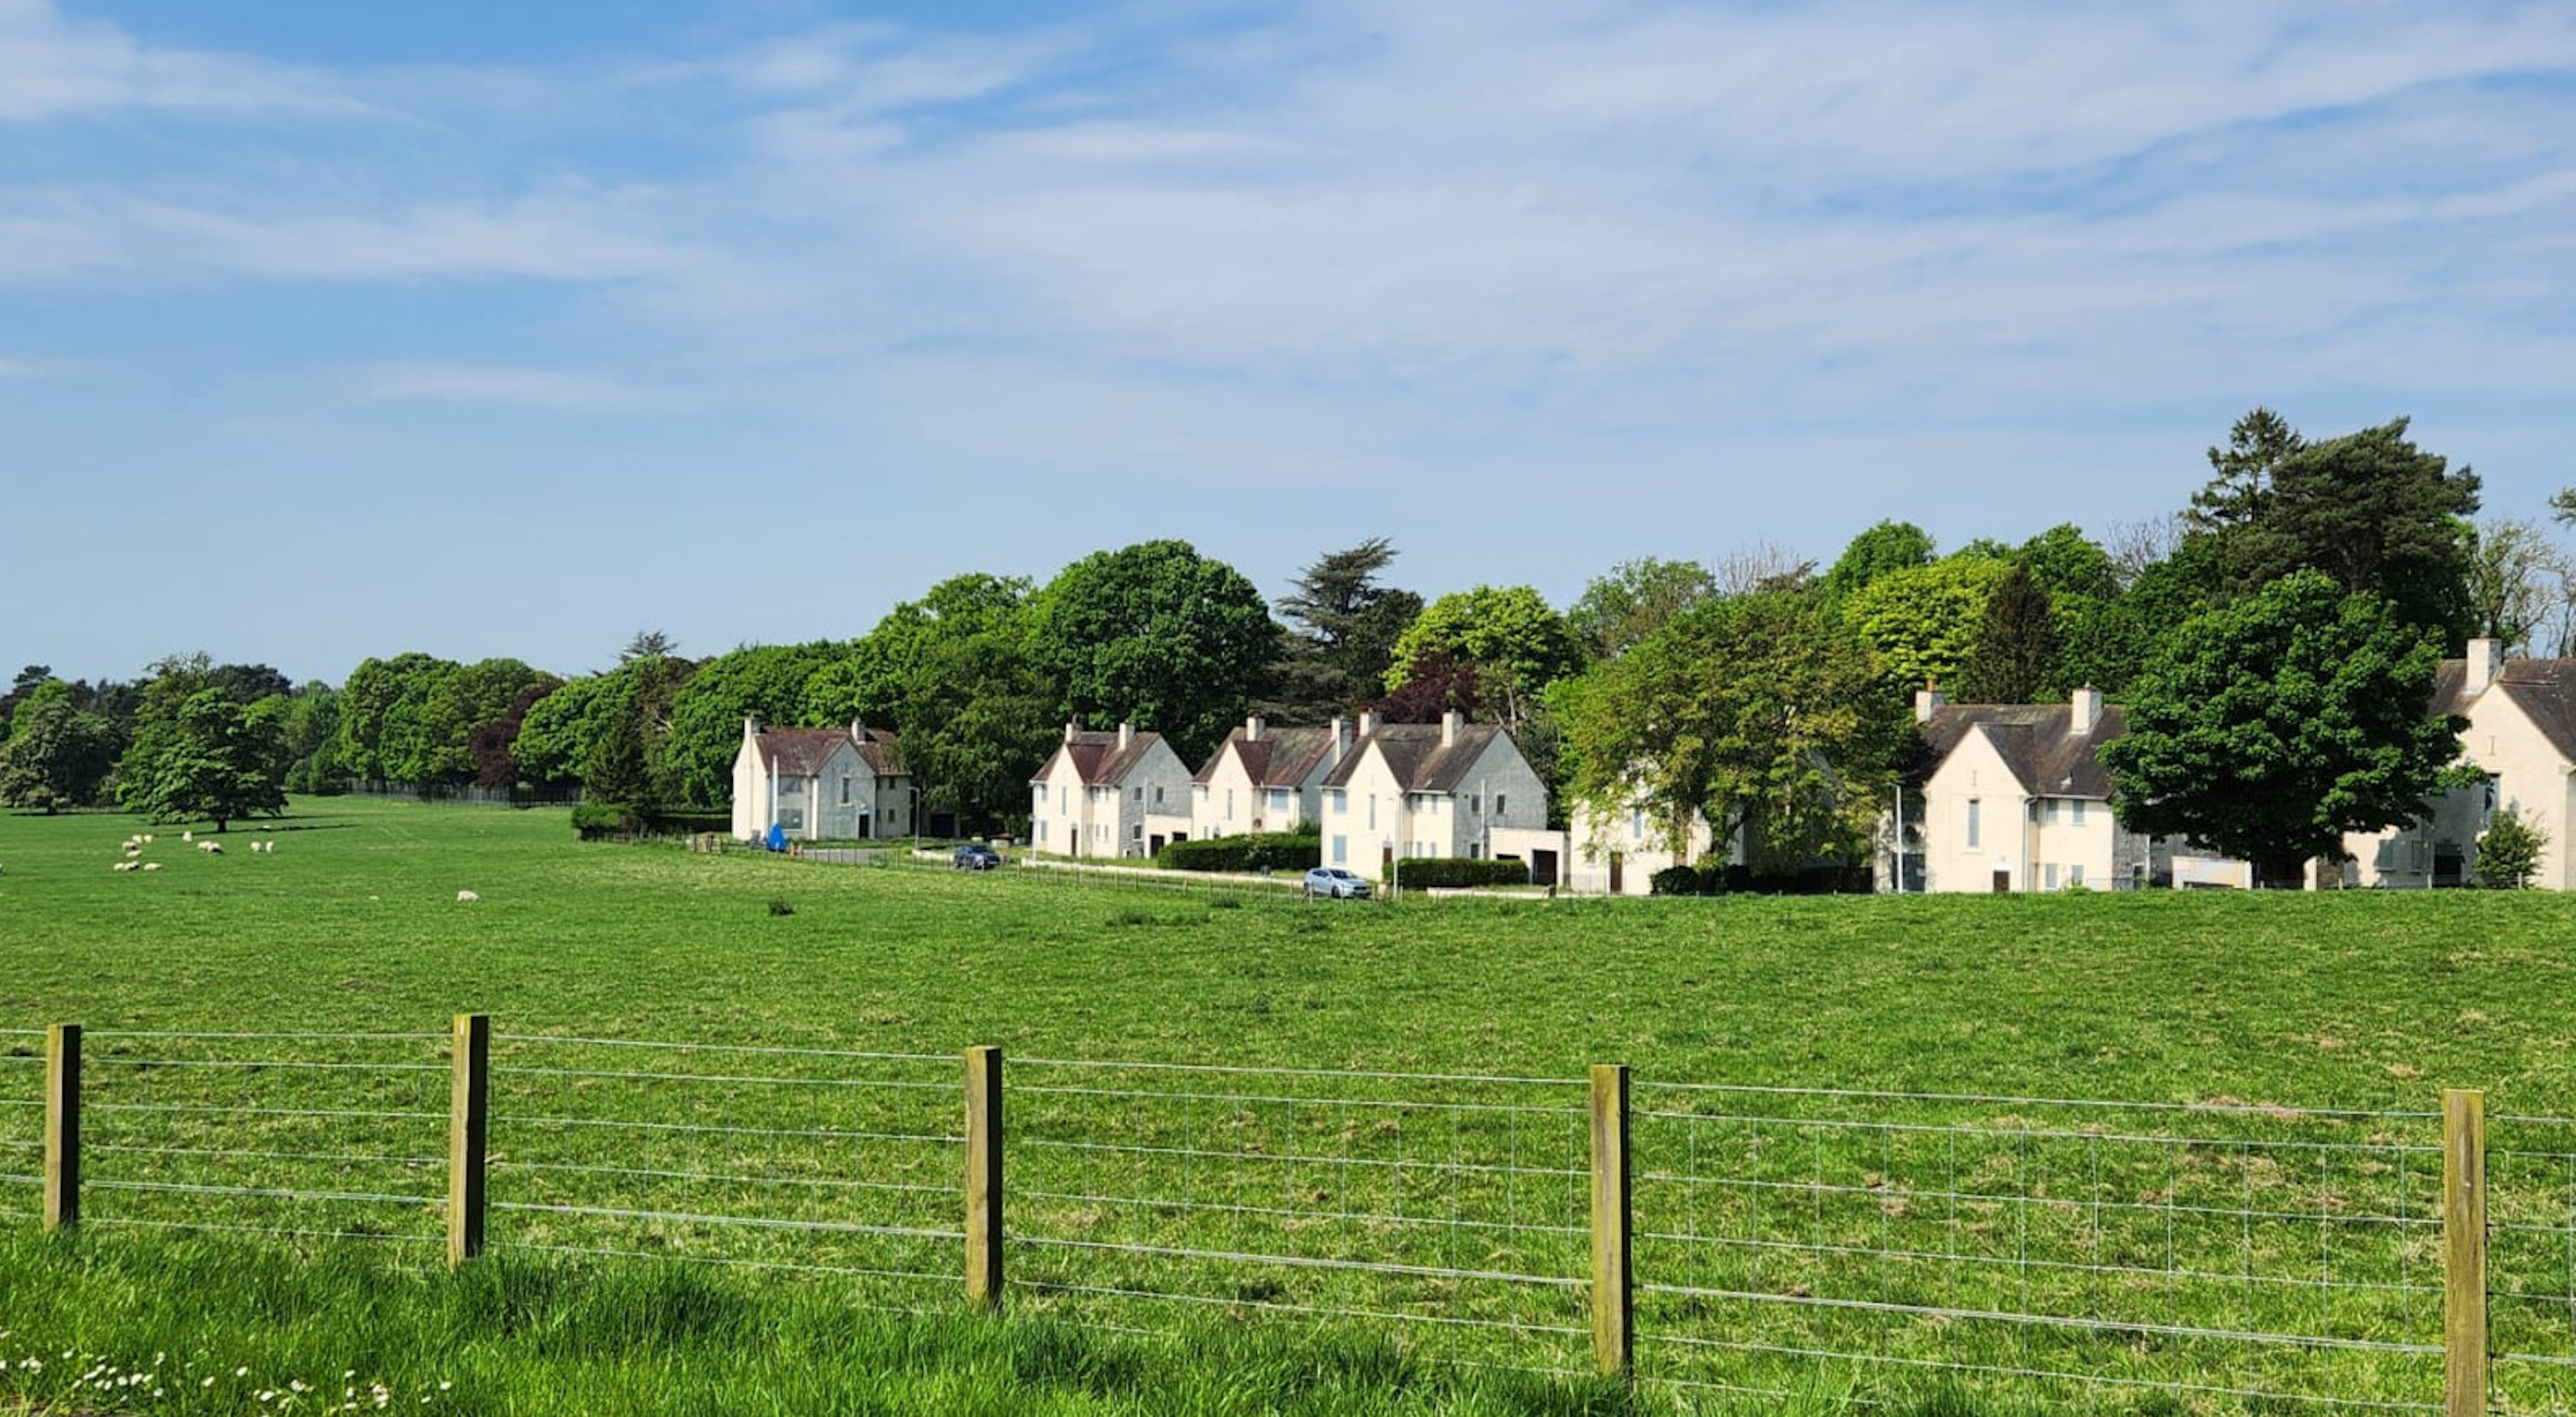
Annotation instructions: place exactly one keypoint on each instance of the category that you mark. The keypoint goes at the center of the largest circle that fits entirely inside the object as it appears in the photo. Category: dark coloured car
(975, 857)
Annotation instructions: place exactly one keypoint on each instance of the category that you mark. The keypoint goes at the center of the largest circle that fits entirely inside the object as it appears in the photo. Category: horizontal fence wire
(819, 1161)
(1450, 1207)
(2531, 1260)
(304, 1135)
(2037, 1250)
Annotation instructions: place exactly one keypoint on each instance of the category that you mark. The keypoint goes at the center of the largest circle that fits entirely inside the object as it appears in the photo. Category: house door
(2003, 881)
(1542, 868)
(1157, 848)
(1618, 863)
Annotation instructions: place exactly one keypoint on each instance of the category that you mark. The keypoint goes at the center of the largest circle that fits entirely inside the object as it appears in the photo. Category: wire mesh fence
(2531, 1261)
(2070, 1252)
(1449, 1208)
(315, 1136)
(1835, 1247)
(811, 1160)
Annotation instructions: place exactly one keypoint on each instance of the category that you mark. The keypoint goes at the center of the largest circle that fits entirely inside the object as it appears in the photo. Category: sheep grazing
(211, 848)
(464, 896)
(151, 865)
(127, 865)
(147, 838)
(187, 836)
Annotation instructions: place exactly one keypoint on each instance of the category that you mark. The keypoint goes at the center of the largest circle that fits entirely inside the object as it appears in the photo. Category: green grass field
(1147, 1196)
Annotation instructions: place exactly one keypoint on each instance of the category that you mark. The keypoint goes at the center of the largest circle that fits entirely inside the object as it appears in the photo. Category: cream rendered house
(1265, 779)
(1427, 789)
(1618, 854)
(1102, 794)
(2522, 734)
(2018, 800)
(820, 784)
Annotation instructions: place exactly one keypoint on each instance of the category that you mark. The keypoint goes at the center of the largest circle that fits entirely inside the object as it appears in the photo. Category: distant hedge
(1457, 872)
(1258, 851)
(595, 821)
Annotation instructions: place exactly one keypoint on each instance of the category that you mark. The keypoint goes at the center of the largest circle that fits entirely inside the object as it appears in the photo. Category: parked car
(974, 856)
(1335, 882)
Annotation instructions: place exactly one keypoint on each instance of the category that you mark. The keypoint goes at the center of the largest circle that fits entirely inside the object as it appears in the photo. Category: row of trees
(1759, 692)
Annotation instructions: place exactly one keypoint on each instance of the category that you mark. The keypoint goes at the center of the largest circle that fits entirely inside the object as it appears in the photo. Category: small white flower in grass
(209, 1381)
(295, 1385)
(268, 1394)
(442, 1387)
(242, 1372)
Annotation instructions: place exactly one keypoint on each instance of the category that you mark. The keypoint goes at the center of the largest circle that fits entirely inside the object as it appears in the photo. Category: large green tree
(1924, 621)
(2370, 509)
(1342, 624)
(1886, 547)
(1760, 713)
(1635, 599)
(2018, 646)
(1510, 641)
(2269, 728)
(976, 721)
(1157, 635)
(219, 762)
(57, 754)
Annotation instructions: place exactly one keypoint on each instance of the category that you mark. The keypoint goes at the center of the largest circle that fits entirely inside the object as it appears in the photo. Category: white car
(1337, 883)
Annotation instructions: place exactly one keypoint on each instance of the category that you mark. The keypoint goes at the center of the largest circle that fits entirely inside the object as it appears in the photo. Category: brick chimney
(2084, 709)
(1926, 699)
(2486, 662)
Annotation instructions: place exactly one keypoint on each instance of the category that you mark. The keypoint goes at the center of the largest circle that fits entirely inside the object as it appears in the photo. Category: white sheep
(187, 836)
(464, 896)
(211, 848)
(151, 865)
(127, 865)
(147, 838)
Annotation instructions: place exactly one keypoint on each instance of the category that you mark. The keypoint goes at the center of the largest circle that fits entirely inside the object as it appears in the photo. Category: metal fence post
(2464, 1253)
(1614, 1329)
(62, 1126)
(984, 1177)
(469, 1118)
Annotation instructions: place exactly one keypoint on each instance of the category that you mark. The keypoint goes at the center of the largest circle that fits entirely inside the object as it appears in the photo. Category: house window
(1158, 797)
(792, 818)
(2049, 813)
(2075, 874)
(2075, 809)
(1229, 804)
(1341, 801)
(1041, 789)
(1341, 850)
(1140, 794)
(1636, 823)
(1278, 799)
(1475, 802)
(1973, 806)
(1042, 835)
(1499, 808)
(845, 789)
(1372, 811)
(2048, 876)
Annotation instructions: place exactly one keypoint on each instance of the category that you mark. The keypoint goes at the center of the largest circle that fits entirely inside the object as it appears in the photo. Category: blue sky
(330, 330)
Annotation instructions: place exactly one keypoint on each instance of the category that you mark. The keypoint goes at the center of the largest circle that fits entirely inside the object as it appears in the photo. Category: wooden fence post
(2464, 1253)
(984, 1177)
(62, 1126)
(1614, 1329)
(469, 1120)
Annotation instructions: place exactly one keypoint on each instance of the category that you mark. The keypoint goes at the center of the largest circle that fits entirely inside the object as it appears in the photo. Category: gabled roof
(1098, 759)
(2037, 742)
(1415, 755)
(1280, 757)
(2545, 691)
(801, 752)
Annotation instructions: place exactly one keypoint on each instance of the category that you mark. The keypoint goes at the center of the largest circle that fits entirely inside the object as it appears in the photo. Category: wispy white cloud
(51, 66)
(551, 389)
(18, 368)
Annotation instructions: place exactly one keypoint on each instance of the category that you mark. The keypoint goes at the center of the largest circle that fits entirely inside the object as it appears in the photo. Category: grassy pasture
(2150, 1227)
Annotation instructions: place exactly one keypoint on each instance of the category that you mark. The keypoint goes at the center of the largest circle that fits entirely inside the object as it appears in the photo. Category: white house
(1265, 779)
(1618, 853)
(1427, 789)
(2522, 734)
(820, 784)
(2017, 799)
(1109, 795)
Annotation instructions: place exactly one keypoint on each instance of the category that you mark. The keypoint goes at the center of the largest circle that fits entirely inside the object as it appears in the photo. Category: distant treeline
(978, 674)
